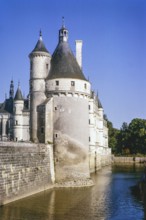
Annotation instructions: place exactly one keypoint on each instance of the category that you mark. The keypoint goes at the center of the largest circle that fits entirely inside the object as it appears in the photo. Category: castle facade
(61, 109)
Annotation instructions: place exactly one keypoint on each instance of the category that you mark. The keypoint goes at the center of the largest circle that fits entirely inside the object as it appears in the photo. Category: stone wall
(25, 169)
(119, 160)
(98, 160)
(71, 139)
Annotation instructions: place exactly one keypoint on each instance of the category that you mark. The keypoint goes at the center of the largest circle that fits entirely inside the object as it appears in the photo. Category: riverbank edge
(128, 160)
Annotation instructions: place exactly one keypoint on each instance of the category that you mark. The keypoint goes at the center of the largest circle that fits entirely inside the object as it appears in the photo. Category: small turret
(63, 33)
(18, 95)
(39, 69)
(18, 107)
(40, 46)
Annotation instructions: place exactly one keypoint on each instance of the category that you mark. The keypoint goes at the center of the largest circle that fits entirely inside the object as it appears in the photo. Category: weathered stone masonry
(25, 169)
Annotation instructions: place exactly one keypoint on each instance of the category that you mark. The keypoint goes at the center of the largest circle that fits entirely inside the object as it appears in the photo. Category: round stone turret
(39, 60)
(40, 47)
(65, 75)
(39, 69)
(18, 107)
(18, 95)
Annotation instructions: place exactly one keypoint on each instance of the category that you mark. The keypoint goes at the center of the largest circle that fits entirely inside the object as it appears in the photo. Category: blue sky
(114, 47)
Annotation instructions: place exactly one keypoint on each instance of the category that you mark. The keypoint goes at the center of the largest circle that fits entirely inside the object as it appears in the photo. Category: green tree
(130, 139)
(112, 135)
(123, 140)
(137, 136)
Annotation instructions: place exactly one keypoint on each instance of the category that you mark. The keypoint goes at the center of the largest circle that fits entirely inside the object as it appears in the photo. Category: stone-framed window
(57, 82)
(42, 130)
(89, 139)
(89, 107)
(72, 83)
(85, 86)
(47, 66)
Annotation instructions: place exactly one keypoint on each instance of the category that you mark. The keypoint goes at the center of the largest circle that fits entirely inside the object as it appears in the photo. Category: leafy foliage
(112, 135)
(135, 137)
(130, 139)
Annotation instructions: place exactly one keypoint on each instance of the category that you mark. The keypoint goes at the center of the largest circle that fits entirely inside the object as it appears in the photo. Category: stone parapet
(131, 160)
(26, 169)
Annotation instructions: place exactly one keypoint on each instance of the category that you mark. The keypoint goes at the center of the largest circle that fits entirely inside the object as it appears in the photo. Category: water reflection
(123, 205)
(109, 199)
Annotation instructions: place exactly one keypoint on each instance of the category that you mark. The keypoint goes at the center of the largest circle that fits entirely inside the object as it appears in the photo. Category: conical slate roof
(40, 47)
(18, 95)
(64, 64)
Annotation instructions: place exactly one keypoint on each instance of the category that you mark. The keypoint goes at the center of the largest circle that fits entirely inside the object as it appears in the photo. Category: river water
(109, 199)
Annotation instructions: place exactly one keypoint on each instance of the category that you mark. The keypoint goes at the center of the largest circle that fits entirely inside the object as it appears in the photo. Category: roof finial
(63, 22)
(40, 34)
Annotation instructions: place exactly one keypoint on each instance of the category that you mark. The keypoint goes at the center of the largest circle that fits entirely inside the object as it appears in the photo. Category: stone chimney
(79, 44)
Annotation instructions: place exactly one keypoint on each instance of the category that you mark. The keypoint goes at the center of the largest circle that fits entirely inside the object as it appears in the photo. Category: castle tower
(70, 91)
(18, 107)
(39, 68)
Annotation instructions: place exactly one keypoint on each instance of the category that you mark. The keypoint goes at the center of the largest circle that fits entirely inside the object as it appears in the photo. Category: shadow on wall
(69, 151)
